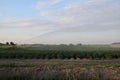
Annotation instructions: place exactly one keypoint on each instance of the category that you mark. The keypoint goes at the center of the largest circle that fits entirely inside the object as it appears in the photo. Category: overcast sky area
(60, 21)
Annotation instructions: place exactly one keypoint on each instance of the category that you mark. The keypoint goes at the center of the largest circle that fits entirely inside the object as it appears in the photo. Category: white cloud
(43, 4)
(33, 23)
(91, 14)
(82, 16)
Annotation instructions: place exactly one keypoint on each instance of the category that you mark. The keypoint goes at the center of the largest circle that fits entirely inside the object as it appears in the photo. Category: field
(60, 52)
(59, 62)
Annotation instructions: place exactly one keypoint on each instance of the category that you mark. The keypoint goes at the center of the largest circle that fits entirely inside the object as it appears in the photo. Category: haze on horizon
(60, 21)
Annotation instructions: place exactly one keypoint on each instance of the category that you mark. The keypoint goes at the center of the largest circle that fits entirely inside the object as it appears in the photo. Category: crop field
(61, 52)
(59, 39)
(59, 63)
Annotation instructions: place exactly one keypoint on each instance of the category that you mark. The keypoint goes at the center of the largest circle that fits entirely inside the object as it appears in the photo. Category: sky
(60, 21)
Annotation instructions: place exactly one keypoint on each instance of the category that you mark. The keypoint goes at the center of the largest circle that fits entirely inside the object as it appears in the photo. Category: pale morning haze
(60, 21)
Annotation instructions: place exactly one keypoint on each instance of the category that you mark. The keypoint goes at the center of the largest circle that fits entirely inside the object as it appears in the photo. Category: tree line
(8, 44)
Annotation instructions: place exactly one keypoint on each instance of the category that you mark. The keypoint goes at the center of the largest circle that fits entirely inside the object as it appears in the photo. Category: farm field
(59, 39)
(59, 52)
(51, 63)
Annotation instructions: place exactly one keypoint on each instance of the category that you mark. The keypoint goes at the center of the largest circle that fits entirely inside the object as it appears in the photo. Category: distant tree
(7, 43)
(63, 44)
(71, 44)
(79, 44)
(12, 43)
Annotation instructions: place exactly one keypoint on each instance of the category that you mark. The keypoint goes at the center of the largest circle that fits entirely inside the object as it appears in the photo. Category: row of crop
(59, 54)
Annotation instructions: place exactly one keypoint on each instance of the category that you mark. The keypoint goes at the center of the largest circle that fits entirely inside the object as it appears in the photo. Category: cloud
(58, 18)
(33, 23)
(90, 15)
(44, 4)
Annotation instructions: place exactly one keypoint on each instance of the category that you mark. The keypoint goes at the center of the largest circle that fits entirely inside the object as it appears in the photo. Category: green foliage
(27, 53)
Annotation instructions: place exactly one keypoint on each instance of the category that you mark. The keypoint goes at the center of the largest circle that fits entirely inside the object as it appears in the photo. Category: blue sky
(60, 21)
